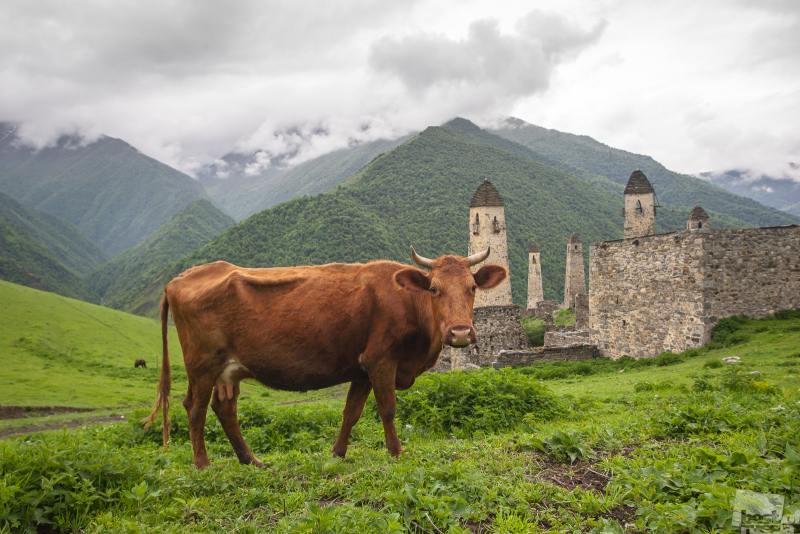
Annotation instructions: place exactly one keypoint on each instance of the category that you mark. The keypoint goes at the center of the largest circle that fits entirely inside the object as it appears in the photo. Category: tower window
(476, 226)
(699, 224)
(495, 226)
(638, 207)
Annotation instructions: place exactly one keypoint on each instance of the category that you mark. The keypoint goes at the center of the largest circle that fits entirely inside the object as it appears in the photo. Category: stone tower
(535, 291)
(487, 228)
(639, 210)
(698, 220)
(575, 279)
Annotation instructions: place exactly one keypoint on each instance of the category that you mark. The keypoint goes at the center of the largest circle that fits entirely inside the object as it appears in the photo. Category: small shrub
(737, 338)
(534, 330)
(713, 364)
(667, 358)
(465, 402)
(724, 328)
(565, 317)
(785, 315)
(742, 382)
(560, 445)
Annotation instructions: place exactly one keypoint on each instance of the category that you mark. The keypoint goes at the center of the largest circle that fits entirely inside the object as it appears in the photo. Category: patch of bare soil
(18, 412)
(570, 476)
(624, 515)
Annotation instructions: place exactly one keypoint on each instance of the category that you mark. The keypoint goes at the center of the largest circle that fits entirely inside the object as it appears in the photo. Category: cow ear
(413, 280)
(490, 276)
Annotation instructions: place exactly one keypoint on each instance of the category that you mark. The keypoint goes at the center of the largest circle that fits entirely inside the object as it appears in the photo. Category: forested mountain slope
(419, 193)
(113, 193)
(62, 240)
(25, 261)
(120, 281)
(241, 195)
(616, 165)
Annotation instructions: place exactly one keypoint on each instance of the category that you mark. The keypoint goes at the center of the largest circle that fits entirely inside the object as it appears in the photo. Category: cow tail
(164, 381)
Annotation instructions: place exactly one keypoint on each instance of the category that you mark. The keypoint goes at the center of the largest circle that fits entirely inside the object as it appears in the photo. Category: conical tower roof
(534, 247)
(638, 184)
(698, 213)
(486, 195)
(574, 240)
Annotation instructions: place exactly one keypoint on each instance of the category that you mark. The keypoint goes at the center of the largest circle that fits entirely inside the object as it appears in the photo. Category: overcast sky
(697, 85)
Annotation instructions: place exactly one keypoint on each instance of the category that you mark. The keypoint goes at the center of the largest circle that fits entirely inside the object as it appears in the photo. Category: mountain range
(367, 202)
(781, 193)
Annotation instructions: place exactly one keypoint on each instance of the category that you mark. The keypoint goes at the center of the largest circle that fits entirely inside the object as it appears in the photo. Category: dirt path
(20, 412)
(72, 424)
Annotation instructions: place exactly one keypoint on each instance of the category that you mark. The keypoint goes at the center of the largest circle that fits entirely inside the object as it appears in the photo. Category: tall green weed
(466, 402)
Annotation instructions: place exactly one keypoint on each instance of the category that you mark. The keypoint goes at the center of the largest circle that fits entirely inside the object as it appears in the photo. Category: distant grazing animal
(377, 325)
(140, 363)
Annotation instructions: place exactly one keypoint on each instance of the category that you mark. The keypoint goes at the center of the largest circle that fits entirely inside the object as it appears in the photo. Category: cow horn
(419, 260)
(479, 257)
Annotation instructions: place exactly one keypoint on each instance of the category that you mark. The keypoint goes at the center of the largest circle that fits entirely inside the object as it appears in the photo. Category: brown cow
(377, 325)
(140, 363)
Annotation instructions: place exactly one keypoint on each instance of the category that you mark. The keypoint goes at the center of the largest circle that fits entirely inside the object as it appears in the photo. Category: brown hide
(377, 325)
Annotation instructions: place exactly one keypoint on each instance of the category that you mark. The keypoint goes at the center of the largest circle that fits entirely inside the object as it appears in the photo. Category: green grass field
(599, 446)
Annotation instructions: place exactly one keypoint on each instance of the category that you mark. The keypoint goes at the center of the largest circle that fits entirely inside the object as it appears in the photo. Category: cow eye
(433, 290)
(474, 288)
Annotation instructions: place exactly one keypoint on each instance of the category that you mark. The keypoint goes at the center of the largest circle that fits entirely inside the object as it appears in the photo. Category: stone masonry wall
(751, 271)
(577, 352)
(498, 328)
(567, 337)
(486, 237)
(651, 294)
(645, 295)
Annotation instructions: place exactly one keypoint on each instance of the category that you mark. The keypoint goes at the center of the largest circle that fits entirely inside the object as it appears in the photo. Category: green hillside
(120, 281)
(419, 193)
(113, 193)
(26, 261)
(242, 195)
(675, 189)
(62, 352)
(62, 240)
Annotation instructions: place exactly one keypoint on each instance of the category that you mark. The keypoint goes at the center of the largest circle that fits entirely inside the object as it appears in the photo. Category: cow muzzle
(460, 336)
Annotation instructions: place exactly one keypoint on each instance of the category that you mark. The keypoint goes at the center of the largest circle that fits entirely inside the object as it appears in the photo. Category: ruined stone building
(496, 318)
(488, 229)
(640, 208)
(654, 293)
(535, 288)
(575, 278)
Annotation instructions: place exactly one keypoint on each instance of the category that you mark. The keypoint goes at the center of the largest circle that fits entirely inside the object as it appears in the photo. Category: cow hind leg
(196, 404)
(356, 399)
(224, 403)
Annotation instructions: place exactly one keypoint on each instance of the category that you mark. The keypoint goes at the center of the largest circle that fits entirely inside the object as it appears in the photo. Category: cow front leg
(224, 402)
(356, 399)
(383, 382)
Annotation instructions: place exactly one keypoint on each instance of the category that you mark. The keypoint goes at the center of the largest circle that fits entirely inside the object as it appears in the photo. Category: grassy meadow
(658, 445)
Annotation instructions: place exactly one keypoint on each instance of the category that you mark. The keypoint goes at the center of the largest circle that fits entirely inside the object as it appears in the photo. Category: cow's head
(451, 287)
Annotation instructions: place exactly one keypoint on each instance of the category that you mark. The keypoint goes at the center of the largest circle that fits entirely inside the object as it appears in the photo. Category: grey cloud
(510, 65)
